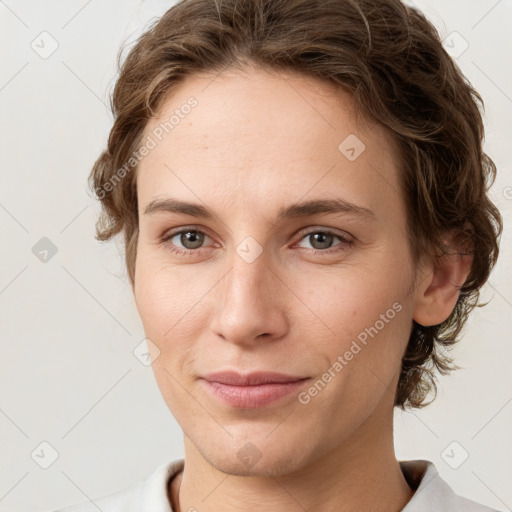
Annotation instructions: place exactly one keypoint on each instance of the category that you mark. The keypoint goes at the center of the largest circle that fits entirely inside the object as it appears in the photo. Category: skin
(258, 141)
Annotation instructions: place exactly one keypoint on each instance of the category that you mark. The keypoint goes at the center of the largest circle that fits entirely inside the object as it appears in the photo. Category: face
(320, 292)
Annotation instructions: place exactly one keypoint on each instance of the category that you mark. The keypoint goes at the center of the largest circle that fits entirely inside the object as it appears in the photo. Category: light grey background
(69, 325)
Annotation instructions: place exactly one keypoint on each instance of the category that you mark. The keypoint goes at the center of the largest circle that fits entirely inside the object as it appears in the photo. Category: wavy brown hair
(391, 59)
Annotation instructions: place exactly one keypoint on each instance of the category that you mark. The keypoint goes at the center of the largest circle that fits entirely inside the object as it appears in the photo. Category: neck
(361, 473)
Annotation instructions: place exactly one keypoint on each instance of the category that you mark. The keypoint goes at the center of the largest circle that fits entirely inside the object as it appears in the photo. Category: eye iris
(324, 238)
(191, 237)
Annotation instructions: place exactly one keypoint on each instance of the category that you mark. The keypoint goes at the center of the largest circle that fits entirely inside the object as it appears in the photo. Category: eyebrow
(296, 210)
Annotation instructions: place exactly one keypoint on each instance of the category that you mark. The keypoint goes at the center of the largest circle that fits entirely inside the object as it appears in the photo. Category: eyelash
(344, 241)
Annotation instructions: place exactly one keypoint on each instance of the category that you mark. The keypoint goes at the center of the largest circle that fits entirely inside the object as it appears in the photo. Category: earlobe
(440, 289)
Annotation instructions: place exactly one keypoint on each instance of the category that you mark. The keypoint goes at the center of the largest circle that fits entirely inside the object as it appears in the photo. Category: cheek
(364, 320)
(346, 302)
(168, 307)
(173, 306)
(165, 295)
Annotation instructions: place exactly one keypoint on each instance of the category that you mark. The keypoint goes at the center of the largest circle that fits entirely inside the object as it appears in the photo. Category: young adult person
(302, 191)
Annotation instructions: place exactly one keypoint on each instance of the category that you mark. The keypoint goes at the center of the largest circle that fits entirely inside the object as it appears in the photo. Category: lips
(253, 390)
(233, 378)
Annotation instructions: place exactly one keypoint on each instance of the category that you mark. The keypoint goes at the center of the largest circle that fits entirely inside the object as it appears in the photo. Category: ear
(439, 289)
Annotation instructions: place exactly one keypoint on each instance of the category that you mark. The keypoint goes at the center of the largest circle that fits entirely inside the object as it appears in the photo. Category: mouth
(251, 379)
(257, 389)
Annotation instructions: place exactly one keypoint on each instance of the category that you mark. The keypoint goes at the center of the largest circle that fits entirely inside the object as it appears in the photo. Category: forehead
(256, 135)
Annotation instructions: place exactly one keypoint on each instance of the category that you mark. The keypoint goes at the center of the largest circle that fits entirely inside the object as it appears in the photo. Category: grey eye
(190, 239)
(320, 240)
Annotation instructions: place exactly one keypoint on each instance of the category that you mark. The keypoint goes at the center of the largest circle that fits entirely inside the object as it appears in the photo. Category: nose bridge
(250, 275)
(246, 284)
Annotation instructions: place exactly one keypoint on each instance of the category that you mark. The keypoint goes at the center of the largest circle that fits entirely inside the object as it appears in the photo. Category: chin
(261, 457)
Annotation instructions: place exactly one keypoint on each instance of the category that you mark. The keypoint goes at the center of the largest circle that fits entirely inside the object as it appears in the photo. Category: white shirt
(432, 492)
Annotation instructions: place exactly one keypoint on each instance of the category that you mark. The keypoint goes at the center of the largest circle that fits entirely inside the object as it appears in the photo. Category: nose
(249, 304)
